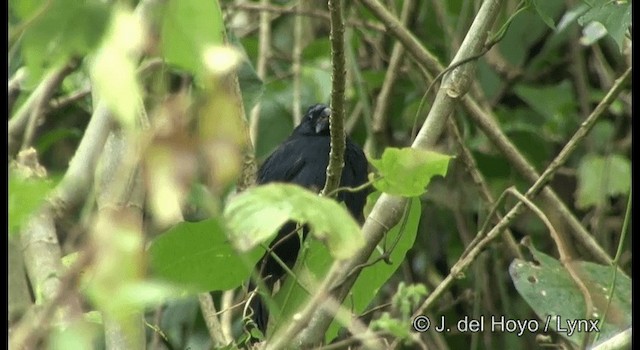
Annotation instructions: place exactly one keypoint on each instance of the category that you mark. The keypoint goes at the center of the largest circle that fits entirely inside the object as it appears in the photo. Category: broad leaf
(256, 215)
(199, 255)
(59, 30)
(550, 291)
(189, 27)
(407, 171)
(615, 16)
(25, 196)
(600, 177)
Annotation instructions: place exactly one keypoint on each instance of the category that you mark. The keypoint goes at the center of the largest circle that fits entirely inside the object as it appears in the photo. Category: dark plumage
(302, 159)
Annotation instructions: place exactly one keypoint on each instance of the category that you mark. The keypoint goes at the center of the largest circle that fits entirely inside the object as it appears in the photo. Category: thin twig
(261, 68)
(296, 66)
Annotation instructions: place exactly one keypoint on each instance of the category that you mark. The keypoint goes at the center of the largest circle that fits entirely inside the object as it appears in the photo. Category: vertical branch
(336, 156)
(261, 67)
(297, 53)
(379, 118)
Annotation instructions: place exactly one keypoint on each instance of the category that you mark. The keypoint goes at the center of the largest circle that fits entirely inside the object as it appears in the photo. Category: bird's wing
(280, 165)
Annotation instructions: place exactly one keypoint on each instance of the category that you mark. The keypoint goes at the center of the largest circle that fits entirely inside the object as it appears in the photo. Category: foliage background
(540, 81)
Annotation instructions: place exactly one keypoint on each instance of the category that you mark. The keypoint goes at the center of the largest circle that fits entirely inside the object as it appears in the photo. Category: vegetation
(498, 134)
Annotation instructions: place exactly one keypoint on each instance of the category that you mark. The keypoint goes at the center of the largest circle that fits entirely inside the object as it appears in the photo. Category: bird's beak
(323, 120)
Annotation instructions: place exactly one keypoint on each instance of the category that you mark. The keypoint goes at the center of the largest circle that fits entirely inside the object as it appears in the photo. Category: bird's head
(316, 120)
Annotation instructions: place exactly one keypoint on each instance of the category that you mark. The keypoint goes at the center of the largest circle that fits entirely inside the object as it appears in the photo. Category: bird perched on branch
(302, 159)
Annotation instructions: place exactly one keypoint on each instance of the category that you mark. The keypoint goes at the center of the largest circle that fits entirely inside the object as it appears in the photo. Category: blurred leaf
(188, 28)
(79, 334)
(546, 11)
(198, 255)
(592, 32)
(407, 171)
(408, 298)
(318, 49)
(602, 135)
(258, 213)
(144, 294)
(178, 320)
(250, 84)
(600, 177)
(548, 100)
(615, 16)
(533, 145)
(61, 29)
(318, 80)
(114, 69)
(555, 103)
(51, 137)
(25, 196)
(523, 33)
(398, 328)
(548, 288)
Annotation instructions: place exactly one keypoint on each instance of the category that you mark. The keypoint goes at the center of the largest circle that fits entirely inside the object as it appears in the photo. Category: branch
(296, 66)
(338, 81)
(31, 110)
(214, 326)
(261, 68)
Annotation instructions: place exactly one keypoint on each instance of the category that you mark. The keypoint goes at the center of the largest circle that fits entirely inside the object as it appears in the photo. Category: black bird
(302, 159)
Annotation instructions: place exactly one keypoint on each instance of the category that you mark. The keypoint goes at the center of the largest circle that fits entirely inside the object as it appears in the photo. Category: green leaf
(545, 10)
(76, 335)
(199, 255)
(188, 28)
(256, 215)
(398, 328)
(25, 196)
(407, 171)
(615, 16)
(113, 68)
(548, 100)
(600, 177)
(548, 288)
(62, 29)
